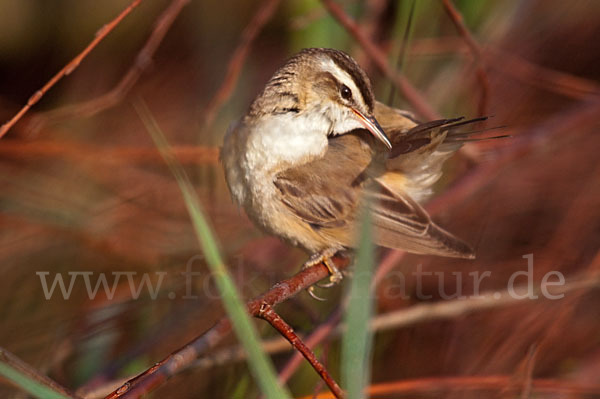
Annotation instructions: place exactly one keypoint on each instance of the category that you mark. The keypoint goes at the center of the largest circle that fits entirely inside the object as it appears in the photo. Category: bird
(315, 142)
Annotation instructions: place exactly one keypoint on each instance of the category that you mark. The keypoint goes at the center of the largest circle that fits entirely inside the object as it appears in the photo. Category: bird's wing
(325, 192)
(402, 223)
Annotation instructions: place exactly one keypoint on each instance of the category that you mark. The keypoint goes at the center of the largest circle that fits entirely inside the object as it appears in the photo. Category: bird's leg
(325, 257)
(335, 276)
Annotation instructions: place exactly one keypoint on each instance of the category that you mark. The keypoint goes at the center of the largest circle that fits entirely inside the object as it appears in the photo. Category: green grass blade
(357, 342)
(28, 384)
(260, 365)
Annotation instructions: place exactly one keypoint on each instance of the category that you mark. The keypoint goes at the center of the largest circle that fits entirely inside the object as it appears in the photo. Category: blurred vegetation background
(91, 194)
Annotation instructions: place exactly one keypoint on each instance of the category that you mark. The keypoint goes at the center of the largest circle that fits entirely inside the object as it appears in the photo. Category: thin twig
(267, 313)
(392, 258)
(303, 21)
(403, 49)
(183, 357)
(410, 92)
(258, 21)
(529, 366)
(76, 151)
(442, 310)
(70, 67)
(476, 51)
(437, 385)
(584, 114)
(458, 307)
(514, 66)
(15, 363)
(545, 78)
(142, 61)
(315, 338)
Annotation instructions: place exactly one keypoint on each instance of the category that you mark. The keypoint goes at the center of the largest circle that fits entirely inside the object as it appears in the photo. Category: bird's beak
(371, 124)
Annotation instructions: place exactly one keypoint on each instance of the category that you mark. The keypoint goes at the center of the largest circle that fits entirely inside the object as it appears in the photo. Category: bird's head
(328, 88)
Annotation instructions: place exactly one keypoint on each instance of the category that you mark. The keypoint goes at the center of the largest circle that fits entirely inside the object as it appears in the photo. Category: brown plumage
(309, 148)
(328, 201)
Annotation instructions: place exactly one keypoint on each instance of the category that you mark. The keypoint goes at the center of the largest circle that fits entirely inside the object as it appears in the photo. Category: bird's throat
(280, 141)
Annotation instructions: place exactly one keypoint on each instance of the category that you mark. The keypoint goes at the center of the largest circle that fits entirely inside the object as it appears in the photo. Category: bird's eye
(345, 92)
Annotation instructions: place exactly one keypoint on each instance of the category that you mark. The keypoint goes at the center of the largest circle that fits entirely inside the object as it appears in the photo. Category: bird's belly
(267, 211)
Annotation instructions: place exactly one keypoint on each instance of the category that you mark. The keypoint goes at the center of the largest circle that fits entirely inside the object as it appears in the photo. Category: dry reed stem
(142, 61)
(476, 51)
(439, 385)
(512, 65)
(529, 366)
(545, 78)
(234, 67)
(76, 151)
(70, 67)
(458, 307)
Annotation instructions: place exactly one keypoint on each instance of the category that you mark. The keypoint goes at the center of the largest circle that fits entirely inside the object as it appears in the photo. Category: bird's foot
(335, 276)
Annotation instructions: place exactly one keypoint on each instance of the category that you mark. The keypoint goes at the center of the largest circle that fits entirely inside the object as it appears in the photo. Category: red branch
(267, 313)
(262, 16)
(142, 61)
(76, 152)
(545, 78)
(391, 259)
(70, 67)
(183, 357)
(475, 49)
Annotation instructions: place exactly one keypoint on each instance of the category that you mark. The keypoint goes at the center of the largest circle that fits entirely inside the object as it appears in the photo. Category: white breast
(254, 154)
(278, 141)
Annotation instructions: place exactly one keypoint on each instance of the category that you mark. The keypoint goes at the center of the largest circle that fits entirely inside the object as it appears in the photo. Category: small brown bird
(310, 146)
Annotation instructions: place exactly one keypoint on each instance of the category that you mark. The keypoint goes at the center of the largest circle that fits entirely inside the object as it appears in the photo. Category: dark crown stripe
(360, 78)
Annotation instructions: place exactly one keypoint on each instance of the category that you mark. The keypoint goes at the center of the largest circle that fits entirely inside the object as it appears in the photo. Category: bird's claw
(335, 276)
(311, 292)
